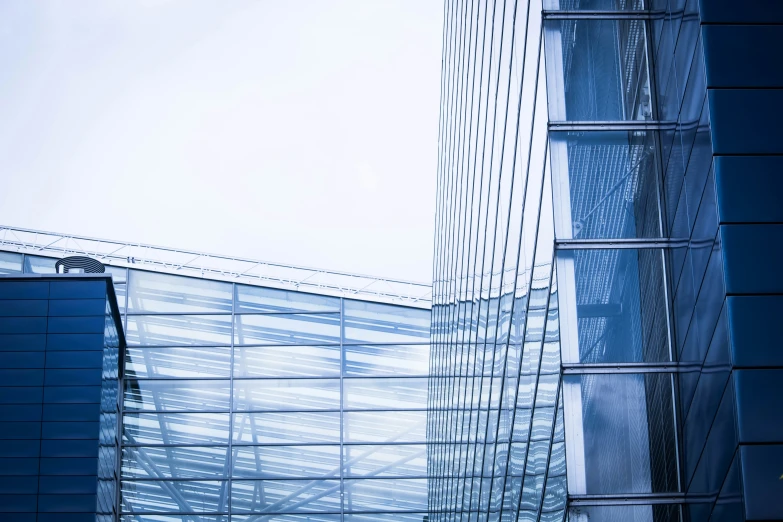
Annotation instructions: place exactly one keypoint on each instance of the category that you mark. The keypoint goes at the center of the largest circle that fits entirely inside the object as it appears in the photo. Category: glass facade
(249, 403)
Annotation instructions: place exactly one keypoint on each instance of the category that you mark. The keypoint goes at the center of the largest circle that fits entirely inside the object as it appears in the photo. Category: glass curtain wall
(496, 443)
(244, 403)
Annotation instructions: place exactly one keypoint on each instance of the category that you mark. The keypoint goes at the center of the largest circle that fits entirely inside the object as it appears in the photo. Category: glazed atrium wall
(250, 403)
(603, 336)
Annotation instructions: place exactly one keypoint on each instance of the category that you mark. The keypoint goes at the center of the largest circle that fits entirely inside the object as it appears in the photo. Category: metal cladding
(81, 264)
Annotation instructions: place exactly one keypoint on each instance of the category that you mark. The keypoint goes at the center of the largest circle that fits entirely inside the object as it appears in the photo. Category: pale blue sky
(300, 132)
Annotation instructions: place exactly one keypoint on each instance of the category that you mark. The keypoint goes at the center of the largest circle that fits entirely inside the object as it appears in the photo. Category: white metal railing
(214, 266)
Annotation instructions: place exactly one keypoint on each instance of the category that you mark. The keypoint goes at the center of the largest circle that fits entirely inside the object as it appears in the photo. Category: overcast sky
(298, 132)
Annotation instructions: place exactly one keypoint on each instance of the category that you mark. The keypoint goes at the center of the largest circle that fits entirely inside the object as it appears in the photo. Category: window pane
(385, 426)
(620, 306)
(287, 496)
(379, 323)
(658, 513)
(167, 330)
(259, 299)
(629, 443)
(391, 461)
(385, 393)
(173, 496)
(602, 67)
(10, 263)
(387, 359)
(595, 5)
(172, 518)
(287, 394)
(287, 329)
(190, 462)
(386, 494)
(612, 183)
(287, 428)
(177, 362)
(153, 292)
(39, 265)
(175, 428)
(282, 361)
(286, 461)
(160, 395)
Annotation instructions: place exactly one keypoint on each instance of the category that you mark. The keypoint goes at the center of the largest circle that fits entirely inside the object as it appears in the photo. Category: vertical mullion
(229, 478)
(342, 402)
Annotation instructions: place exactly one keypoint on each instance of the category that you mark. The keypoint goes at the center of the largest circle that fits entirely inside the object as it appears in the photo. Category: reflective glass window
(286, 461)
(166, 330)
(385, 393)
(270, 300)
(620, 305)
(10, 263)
(175, 428)
(176, 395)
(386, 494)
(612, 178)
(379, 323)
(287, 329)
(282, 361)
(286, 496)
(177, 362)
(173, 496)
(286, 394)
(385, 426)
(39, 265)
(287, 428)
(385, 359)
(628, 440)
(186, 462)
(386, 460)
(164, 293)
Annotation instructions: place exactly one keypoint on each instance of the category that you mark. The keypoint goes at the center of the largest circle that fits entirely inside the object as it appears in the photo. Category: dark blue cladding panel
(751, 258)
(20, 448)
(19, 377)
(23, 307)
(746, 121)
(66, 517)
(72, 412)
(739, 55)
(76, 307)
(69, 430)
(66, 503)
(749, 188)
(761, 469)
(19, 466)
(21, 395)
(756, 330)
(24, 290)
(18, 503)
(728, 507)
(59, 485)
(20, 413)
(74, 359)
(20, 485)
(759, 412)
(77, 290)
(71, 394)
(69, 448)
(77, 342)
(77, 325)
(22, 342)
(20, 430)
(69, 466)
(747, 11)
(29, 360)
(22, 325)
(73, 378)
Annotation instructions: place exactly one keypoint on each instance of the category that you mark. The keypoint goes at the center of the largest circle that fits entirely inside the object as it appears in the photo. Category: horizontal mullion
(629, 125)
(601, 15)
(617, 244)
(626, 500)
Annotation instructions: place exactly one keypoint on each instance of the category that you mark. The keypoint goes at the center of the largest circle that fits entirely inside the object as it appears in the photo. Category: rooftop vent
(79, 265)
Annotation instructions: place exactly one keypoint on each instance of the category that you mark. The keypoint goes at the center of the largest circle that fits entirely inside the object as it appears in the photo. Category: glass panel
(386, 494)
(39, 265)
(119, 275)
(385, 393)
(286, 428)
(379, 323)
(656, 513)
(286, 496)
(172, 518)
(177, 362)
(628, 432)
(390, 461)
(189, 462)
(173, 496)
(166, 330)
(387, 359)
(612, 182)
(601, 68)
(161, 395)
(288, 329)
(286, 461)
(282, 361)
(287, 518)
(595, 5)
(385, 426)
(394, 517)
(153, 292)
(620, 306)
(175, 428)
(259, 299)
(287, 394)
(10, 263)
